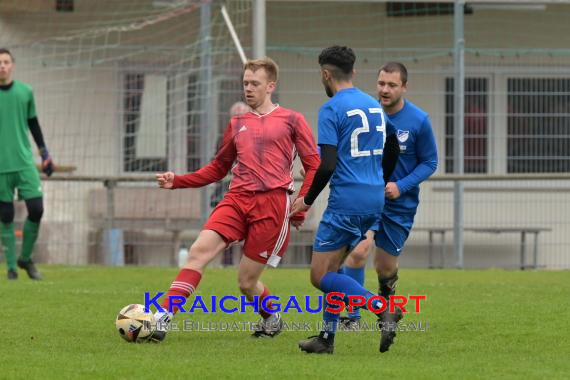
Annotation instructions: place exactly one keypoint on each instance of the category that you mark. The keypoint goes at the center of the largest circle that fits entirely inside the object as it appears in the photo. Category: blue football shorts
(338, 230)
(393, 232)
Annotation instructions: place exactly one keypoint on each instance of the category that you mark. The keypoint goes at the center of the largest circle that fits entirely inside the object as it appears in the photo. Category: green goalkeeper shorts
(26, 181)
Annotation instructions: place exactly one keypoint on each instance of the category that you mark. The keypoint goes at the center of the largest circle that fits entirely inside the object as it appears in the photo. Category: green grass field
(480, 324)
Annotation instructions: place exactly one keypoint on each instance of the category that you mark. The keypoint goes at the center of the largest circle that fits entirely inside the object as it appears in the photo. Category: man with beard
(352, 130)
(417, 161)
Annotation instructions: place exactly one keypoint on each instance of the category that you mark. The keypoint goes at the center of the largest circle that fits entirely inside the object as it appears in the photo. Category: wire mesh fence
(133, 87)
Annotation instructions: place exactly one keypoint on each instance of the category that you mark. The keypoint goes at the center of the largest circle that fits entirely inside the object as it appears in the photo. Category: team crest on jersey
(403, 135)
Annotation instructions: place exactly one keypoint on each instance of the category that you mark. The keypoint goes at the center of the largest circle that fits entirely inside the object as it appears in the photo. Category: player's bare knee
(379, 266)
(316, 277)
(195, 262)
(246, 284)
(357, 259)
(359, 255)
(199, 256)
(246, 289)
(386, 269)
(316, 281)
(384, 263)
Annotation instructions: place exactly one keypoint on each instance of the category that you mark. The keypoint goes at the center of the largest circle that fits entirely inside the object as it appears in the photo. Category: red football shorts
(261, 219)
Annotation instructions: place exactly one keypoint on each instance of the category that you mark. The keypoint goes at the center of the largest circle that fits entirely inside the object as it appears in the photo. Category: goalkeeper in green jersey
(17, 168)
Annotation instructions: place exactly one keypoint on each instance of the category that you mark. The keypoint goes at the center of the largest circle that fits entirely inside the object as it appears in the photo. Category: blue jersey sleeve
(426, 151)
(327, 126)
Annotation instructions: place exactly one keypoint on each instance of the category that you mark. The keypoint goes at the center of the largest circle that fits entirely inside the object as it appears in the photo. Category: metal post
(206, 115)
(259, 28)
(110, 186)
(430, 250)
(535, 252)
(113, 240)
(523, 249)
(459, 108)
(442, 252)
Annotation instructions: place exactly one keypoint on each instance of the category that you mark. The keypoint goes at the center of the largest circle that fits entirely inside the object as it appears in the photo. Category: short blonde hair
(267, 64)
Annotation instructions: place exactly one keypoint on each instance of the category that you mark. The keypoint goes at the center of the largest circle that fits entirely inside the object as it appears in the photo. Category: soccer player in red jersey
(259, 147)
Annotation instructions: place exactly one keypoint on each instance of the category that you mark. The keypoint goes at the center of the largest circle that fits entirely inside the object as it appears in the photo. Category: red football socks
(183, 286)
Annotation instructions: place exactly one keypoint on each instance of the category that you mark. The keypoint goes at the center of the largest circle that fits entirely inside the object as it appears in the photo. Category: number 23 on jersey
(365, 128)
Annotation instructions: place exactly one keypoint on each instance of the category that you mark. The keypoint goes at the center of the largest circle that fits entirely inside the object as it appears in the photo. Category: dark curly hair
(341, 58)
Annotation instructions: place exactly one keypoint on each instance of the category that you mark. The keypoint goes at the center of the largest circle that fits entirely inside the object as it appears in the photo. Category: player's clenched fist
(165, 180)
(392, 191)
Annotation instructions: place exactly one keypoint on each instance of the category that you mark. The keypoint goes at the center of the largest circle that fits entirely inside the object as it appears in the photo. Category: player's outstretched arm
(215, 171)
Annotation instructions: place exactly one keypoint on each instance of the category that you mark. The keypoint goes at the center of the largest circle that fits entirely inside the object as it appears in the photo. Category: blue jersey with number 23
(355, 123)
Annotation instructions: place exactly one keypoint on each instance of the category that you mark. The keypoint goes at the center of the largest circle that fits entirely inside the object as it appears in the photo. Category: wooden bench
(143, 208)
(523, 231)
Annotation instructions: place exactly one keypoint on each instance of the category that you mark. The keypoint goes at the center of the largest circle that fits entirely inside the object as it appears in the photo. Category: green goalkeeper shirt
(16, 107)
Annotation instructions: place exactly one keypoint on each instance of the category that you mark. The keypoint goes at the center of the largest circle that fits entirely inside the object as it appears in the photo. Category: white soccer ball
(134, 325)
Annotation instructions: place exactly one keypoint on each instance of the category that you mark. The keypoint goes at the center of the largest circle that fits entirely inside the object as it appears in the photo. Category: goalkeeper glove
(47, 163)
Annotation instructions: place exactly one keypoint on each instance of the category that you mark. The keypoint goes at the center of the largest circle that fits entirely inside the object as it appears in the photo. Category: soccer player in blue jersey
(351, 134)
(417, 161)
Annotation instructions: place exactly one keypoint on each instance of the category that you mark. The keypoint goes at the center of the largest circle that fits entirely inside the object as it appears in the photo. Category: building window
(226, 92)
(538, 125)
(422, 8)
(475, 127)
(152, 113)
(64, 5)
(145, 123)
